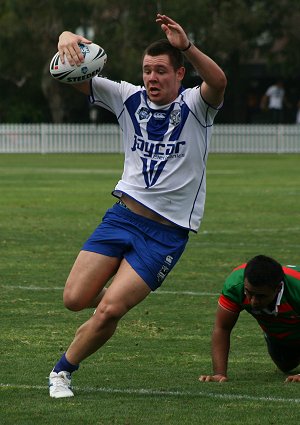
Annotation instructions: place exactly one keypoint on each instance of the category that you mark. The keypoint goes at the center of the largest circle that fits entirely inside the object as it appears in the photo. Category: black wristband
(187, 48)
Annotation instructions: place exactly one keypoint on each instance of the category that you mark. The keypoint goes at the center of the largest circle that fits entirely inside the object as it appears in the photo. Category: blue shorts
(152, 249)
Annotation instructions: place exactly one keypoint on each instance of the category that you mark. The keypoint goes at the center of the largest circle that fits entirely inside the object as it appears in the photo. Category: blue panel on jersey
(132, 104)
(158, 124)
(184, 112)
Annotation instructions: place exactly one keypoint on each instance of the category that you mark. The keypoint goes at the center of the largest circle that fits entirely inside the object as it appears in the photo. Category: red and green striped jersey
(285, 325)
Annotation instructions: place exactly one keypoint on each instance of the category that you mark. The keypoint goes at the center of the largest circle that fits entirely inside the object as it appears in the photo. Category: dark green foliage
(232, 32)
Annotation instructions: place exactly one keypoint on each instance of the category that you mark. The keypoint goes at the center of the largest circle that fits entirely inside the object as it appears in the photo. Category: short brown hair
(164, 47)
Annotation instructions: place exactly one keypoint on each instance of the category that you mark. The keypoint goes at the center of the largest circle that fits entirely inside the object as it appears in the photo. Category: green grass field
(148, 372)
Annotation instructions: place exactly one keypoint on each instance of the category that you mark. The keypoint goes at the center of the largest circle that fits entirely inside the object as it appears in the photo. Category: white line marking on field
(158, 292)
(225, 172)
(192, 293)
(254, 230)
(151, 392)
(45, 170)
(32, 288)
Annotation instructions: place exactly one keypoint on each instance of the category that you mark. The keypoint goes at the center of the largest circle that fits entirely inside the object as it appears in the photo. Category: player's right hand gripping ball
(94, 60)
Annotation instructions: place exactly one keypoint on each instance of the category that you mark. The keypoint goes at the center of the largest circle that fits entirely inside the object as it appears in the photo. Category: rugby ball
(94, 60)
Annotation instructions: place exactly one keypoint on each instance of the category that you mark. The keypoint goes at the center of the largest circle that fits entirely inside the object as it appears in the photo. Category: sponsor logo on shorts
(162, 274)
(169, 259)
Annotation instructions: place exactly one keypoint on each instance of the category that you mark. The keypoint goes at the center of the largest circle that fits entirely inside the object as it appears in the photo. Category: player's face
(161, 81)
(260, 297)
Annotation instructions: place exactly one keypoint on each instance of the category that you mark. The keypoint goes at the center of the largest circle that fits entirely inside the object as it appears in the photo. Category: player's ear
(181, 73)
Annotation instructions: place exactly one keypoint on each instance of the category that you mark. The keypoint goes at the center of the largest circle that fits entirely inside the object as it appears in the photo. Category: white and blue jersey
(166, 148)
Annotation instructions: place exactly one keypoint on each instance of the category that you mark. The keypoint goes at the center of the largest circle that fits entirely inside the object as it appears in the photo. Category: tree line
(250, 39)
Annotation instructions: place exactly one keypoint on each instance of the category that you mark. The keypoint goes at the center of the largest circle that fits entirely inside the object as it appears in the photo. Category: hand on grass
(213, 378)
(293, 378)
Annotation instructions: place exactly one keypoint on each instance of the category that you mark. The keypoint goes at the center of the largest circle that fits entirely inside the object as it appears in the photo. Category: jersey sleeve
(228, 304)
(204, 112)
(292, 281)
(111, 95)
(233, 291)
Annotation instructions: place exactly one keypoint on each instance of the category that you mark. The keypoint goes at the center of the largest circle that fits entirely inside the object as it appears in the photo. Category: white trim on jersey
(165, 148)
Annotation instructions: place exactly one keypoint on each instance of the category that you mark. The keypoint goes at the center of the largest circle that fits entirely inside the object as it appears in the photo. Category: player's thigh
(125, 291)
(88, 276)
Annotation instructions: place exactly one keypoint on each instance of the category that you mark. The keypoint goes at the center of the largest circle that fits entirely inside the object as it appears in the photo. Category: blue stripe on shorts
(152, 249)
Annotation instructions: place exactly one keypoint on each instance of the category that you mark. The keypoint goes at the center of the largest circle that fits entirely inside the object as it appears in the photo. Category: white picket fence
(91, 138)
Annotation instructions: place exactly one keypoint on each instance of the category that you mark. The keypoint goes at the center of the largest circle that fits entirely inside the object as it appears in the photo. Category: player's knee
(107, 312)
(72, 301)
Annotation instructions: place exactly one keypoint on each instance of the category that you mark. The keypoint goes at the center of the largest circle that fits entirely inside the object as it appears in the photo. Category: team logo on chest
(175, 117)
(143, 114)
(159, 115)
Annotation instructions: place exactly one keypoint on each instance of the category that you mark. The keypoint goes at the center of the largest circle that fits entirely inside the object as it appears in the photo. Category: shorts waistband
(121, 203)
(129, 213)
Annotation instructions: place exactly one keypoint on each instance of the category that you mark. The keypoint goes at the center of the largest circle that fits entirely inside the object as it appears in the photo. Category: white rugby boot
(60, 385)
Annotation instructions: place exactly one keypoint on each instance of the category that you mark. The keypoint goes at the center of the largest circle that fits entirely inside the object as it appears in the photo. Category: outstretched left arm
(214, 79)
